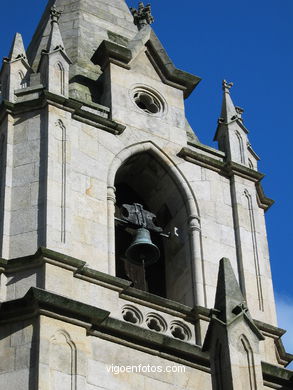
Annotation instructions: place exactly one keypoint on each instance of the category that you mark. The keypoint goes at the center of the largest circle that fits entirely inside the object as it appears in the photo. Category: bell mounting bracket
(137, 216)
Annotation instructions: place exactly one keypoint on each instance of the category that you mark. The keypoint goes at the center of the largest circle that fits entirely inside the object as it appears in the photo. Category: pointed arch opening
(146, 179)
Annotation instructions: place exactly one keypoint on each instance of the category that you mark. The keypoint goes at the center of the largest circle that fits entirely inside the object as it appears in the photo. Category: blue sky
(248, 43)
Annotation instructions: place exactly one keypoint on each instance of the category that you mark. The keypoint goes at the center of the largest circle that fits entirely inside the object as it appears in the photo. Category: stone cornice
(152, 342)
(77, 109)
(159, 56)
(110, 52)
(98, 323)
(80, 270)
(37, 301)
(228, 169)
(277, 375)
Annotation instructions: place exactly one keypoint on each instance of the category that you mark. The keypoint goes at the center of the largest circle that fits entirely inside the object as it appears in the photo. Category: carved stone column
(111, 201)
(196, 260)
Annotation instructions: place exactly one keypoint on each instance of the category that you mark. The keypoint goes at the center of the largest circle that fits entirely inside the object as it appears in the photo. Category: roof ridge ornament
(55, 14)
(226, 86)
(55, 41)
(142, 16)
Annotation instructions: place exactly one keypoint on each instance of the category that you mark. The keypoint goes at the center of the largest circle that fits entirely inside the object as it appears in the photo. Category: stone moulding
(76, 108)
(160, 58)
(283, 357)
(38, 302)
(110, 52)
(229, 169)
(80, 270)
(98, 323)
(274, 375)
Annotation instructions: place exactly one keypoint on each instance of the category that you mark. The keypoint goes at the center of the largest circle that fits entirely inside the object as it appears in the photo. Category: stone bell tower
(117, 223)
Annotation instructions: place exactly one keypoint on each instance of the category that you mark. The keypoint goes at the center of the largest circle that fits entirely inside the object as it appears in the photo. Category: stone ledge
(111, 52)
(228, 169)
(37, 299)
(208, 149)
(41, 302)
(151, 340)
(98, 324)
(79, 269)
(277, 375)
(75, 107)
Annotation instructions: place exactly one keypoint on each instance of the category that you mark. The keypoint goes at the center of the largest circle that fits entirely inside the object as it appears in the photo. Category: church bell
(142, 250)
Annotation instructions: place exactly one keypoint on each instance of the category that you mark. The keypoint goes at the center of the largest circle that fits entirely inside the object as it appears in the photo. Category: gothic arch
(255, 249)
(248, 375)
(189, 201)
(61, 77)
(63, 350)
(241, 147)
(149, 146)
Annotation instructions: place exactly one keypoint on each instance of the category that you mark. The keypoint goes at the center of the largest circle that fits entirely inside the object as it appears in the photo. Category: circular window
(148, 101)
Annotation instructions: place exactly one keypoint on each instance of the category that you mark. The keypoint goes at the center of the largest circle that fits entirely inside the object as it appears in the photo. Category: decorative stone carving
(156, 322)
(132, 314)
(180, 331)
(55, 14)
(148, 101)
(142, 16)
(226, 86)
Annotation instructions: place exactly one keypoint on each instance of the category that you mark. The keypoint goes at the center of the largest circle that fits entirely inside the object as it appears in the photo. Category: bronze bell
(142, 250)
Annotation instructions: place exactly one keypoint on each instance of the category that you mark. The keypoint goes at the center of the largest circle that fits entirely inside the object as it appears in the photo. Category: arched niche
(62, 361)
(60, 78)
(147, 178)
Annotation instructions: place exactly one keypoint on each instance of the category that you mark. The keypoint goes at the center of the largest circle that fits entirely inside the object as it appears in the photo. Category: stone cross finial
(142, 16)
(55, 14)
(226, 86)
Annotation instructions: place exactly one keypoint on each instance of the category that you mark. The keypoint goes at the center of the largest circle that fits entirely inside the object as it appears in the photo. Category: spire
(229, 302)
(232, 338)
(55, 41)
(229, 112)
(228, 295)
(83, 26)
(17, 50)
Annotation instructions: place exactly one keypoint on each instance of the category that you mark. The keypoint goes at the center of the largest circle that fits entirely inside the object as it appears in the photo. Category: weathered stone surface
(69, 142)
